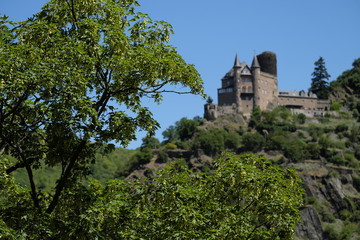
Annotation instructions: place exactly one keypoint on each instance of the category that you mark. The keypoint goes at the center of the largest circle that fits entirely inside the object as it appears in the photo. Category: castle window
(246, 98)
(226, 90)
(243, 89)
(249, 89)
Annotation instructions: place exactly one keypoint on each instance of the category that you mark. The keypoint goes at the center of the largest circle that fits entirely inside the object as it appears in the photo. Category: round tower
(237, 80)
(255, 68)
(267, 62)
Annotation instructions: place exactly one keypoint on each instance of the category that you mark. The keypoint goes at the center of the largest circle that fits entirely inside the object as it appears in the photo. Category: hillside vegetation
(345, 91)
(324, 151)
(107, 166)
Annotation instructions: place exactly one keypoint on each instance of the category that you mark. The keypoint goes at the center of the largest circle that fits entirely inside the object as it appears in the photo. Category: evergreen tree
(319, 82)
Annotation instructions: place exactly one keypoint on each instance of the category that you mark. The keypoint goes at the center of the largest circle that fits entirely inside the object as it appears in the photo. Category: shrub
(325, 142)
(170, 146)
(337, 159)
(253, 142)
(232, 141)
(315, 131)
(255, 117)
(186, 128)
(333, 173)
(348, 230)
(313, 150)
(328, 217)
(183, 144)
(296, 150)
(143, 157)
(301, 118)
(150, 142)
(140, 158)
(344, 214)
(355, 217)
(349, 157)
(331, 233)
(341, 128)
(163, 157)
(211, 141)
(310, 200)
(335, 106)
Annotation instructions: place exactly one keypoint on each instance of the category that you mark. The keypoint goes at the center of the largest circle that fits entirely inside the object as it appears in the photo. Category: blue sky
(209, 33)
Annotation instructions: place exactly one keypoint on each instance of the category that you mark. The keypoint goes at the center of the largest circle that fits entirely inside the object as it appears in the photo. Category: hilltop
(324, 151)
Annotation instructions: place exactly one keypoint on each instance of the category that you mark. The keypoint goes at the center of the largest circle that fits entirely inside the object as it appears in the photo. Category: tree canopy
(73, 77)
(319, 82)
(243, 197)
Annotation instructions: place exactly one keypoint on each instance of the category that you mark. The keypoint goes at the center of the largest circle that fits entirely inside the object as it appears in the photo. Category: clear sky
(209, 33)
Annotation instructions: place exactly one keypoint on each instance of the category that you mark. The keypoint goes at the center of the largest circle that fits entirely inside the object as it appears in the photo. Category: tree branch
(64, 178)
(33, 193)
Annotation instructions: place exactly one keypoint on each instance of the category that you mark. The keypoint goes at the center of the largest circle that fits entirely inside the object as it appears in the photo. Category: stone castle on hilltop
(245, 87)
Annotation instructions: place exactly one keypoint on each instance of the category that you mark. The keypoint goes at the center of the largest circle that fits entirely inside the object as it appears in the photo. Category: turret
(268, 63)
(237, 79)
(237, 68)
(255, 68)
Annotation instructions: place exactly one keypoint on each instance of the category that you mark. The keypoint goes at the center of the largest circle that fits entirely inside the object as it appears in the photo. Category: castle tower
(228, 93)
(255, 68)
(264, 70)
(237, 80)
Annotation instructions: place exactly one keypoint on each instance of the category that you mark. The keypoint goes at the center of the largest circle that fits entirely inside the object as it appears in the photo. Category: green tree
(212, 141)
(243, 197)
(73, 77)
(301, 118)
(170, 134)
(184, 129)
(255, 117)
(349, 78)
(150, 142)
(253, 142)
(319, 82)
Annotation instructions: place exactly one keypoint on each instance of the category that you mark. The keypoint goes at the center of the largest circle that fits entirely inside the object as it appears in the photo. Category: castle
(245, 87)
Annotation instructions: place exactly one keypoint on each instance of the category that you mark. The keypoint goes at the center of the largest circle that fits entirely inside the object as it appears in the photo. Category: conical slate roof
(237, 62)
(255, 62)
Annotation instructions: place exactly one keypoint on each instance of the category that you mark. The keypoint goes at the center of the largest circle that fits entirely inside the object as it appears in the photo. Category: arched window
(249, 89)
(243, 89)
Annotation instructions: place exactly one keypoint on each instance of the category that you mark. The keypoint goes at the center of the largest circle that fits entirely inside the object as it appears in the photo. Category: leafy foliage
(183, 130)
(244, 197)
(73, 77)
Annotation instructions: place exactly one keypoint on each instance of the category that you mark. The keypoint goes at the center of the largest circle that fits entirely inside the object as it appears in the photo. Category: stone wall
(267, 90)
(300, 102)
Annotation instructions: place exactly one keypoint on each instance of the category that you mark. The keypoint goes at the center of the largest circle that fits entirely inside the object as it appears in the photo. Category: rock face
(311, 227)
(330, 192)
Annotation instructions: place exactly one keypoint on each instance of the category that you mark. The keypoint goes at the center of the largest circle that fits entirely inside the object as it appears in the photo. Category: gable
(246, 70)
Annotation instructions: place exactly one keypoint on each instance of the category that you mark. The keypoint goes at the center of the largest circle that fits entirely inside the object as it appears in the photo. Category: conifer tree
(319, 82)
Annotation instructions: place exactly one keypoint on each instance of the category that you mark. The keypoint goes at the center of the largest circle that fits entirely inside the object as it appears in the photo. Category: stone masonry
(245, 87)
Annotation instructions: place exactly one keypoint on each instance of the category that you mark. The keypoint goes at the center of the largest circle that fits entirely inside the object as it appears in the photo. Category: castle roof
(237, 62)
(255, 62)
